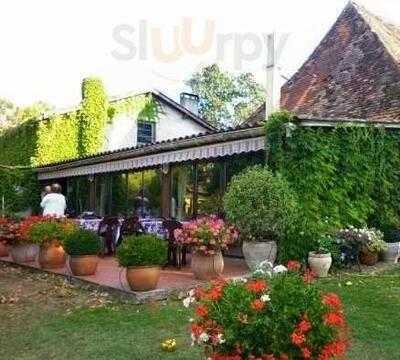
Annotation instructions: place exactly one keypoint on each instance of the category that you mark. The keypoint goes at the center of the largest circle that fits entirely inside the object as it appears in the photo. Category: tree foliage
(226, 99)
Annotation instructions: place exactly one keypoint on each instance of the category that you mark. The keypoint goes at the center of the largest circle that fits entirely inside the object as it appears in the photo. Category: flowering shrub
(9, 230)
(45, 230)
(206, 235)
(363, 239)
(277, 317)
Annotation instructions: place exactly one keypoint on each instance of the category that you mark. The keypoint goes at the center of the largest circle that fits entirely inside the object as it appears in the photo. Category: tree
(11, 115)
(226, 99)
(7, 111)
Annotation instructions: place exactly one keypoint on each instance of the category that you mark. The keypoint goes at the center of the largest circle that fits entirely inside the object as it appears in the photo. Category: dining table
(150, 225)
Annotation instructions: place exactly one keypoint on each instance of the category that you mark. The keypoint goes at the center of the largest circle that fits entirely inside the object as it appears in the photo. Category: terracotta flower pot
(24, 253)
(207, 267)
(320, 263)
(3, 249)
(143, 278)
(52, 256)
(255, 252)
(368, 258)
(83, 265)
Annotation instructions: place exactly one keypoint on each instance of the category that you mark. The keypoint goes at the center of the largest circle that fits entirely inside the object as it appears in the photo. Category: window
(145, 133)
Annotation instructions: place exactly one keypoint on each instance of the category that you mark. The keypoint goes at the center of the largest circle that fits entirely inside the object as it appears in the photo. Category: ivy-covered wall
(61, 137)
(18, 187)
(347, 175)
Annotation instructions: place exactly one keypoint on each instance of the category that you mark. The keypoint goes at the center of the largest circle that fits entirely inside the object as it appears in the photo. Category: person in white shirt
(54, 204)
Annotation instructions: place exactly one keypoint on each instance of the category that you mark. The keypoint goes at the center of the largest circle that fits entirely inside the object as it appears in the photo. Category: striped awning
(210, 151)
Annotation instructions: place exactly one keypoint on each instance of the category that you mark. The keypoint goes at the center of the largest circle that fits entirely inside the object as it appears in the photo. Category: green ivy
(142, 107)
(18, 188)
(347, 175)
(93, 117)
(61, 137)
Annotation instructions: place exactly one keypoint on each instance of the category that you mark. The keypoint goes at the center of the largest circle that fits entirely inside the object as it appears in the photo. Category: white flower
(191, 293)
(280, 269)
(193, 337)
(187, 301)
(265, 264)
(259, 272)
(220, 338)
(204, 337)
(265, 298)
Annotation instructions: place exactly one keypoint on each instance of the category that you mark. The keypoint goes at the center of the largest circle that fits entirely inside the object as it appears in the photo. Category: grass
(43, 318)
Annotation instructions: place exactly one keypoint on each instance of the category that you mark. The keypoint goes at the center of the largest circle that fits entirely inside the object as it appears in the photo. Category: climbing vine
(93, 117)
(61, 137)
(346, 175)
(142, 107)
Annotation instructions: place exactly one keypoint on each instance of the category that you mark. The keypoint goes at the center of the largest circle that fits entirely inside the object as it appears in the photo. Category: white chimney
(272, 77)
(190, 102)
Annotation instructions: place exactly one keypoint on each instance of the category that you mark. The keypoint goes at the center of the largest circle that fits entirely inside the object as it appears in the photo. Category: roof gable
(353, 72)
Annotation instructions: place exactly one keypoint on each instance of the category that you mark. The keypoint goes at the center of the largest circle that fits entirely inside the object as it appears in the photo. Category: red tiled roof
(353, 73)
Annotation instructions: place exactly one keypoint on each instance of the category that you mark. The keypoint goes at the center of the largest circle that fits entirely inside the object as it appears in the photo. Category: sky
(48, 46)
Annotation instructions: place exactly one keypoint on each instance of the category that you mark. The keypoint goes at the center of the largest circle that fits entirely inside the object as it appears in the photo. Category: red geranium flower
(333, 349)
(196, 330)
(297, 338)
(332, 300)
(308, 276)
(293, 265)
(334, 319)
(306, 353)
(201, 311)
(257, 305)
(304, 325)
(256, 286)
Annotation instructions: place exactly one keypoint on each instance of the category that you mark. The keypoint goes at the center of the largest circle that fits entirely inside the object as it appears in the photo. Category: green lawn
(42, 318)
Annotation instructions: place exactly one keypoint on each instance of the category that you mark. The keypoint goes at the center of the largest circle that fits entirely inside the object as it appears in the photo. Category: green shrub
(50, 230)
(260, 204)
(142, 250)
(82, 242)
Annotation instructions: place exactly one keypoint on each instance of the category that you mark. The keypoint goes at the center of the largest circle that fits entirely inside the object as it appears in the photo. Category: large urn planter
(85, 265)
(207, 267)
(143, 278)
(320, 263)
(3, 249)
(24, 253)
(256, 252)
(392, 253)
(52, 256)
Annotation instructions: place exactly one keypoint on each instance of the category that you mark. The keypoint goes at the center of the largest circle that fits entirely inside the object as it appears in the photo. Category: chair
(131, 226)
(176, 252)
(109, 229)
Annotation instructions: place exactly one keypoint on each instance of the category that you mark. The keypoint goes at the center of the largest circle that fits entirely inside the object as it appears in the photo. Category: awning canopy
(208, 146)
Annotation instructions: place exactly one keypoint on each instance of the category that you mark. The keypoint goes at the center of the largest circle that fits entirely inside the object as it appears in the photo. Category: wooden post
(166, 192)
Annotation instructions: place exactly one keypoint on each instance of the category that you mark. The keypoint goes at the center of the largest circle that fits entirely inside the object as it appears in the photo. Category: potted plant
(22, 248)
(368, 243)
(83, 247)
(392, 252)
(262, 206)
(207, 236)
(320, 261)
(142, 256)
(278, 316)
(49, 234)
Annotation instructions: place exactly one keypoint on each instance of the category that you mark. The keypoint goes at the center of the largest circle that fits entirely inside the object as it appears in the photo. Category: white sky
(48, 46)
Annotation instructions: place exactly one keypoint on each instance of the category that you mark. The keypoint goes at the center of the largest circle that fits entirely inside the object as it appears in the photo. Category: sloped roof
(158, 95)
(353, 73)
